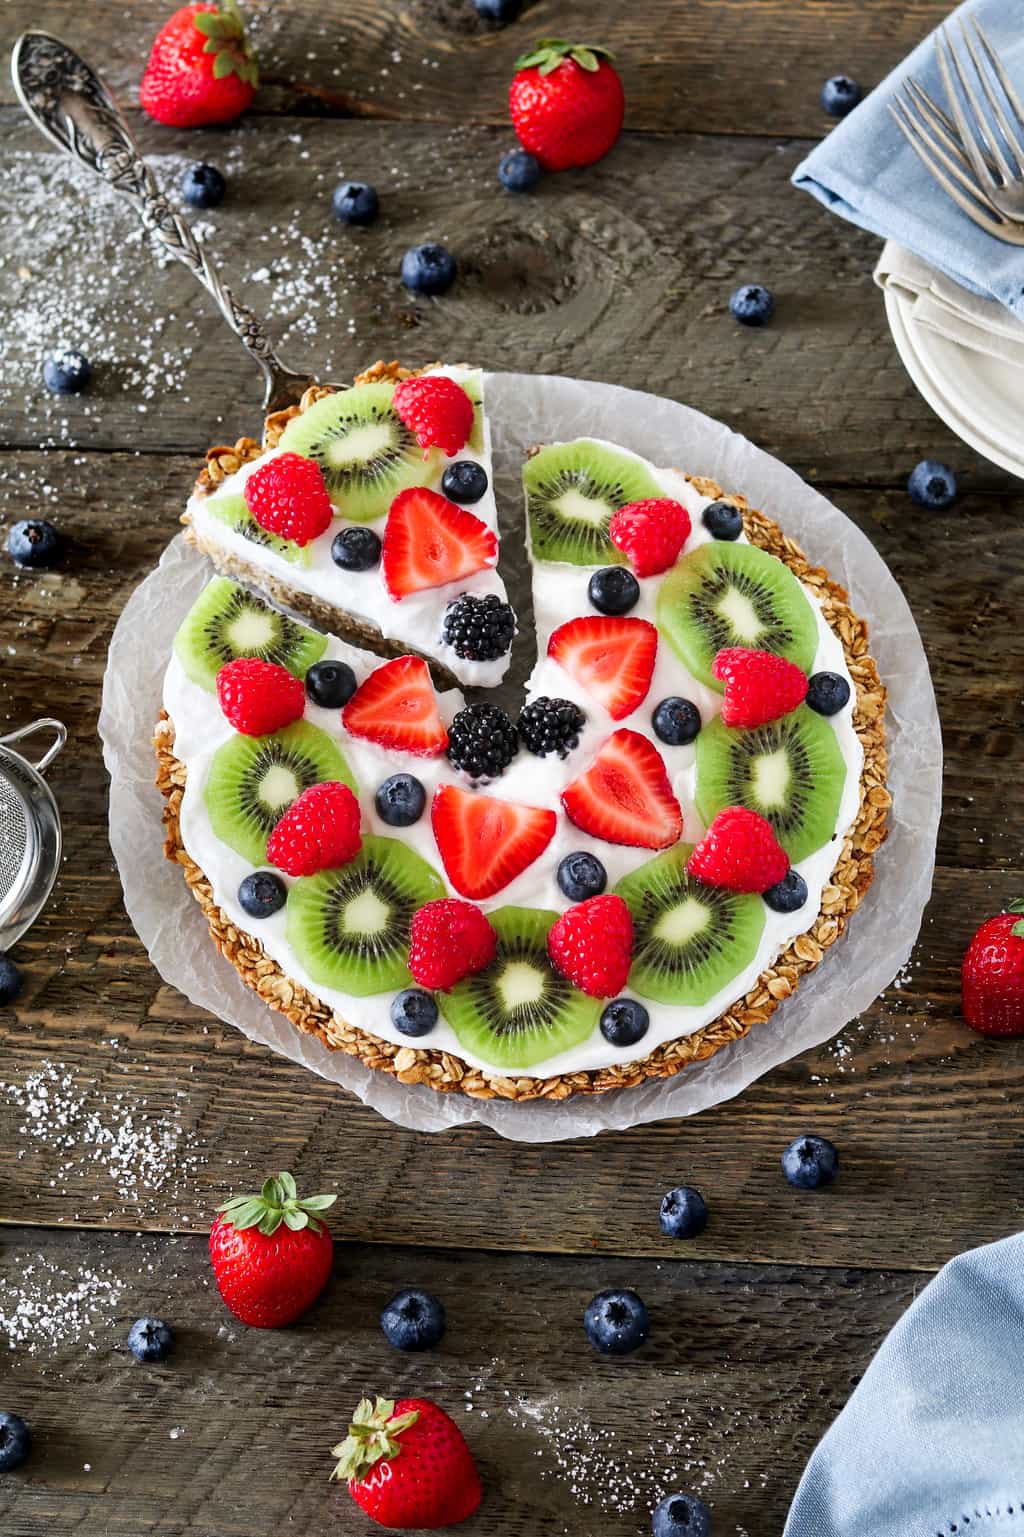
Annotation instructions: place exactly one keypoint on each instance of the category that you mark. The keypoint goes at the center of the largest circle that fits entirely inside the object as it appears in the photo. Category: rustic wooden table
(126, 1115)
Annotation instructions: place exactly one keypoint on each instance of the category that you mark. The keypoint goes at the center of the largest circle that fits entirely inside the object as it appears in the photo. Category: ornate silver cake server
(68, 102)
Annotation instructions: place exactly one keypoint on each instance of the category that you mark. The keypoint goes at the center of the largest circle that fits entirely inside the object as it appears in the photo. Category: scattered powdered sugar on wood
(47, 1306)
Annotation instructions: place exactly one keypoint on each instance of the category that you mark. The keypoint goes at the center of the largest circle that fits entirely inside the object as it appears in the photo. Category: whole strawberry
(567, 103)
(993, 975)
(592, 945)
(201, 69)
(408, 1466)
(271, 1254)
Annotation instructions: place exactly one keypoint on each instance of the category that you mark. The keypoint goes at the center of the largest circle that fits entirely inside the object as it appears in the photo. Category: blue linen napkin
(866, 172)
(932, 1441)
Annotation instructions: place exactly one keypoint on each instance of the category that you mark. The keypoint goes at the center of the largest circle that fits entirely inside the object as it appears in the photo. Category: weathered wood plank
(744, 1369)
(746, 66)
(621, 274)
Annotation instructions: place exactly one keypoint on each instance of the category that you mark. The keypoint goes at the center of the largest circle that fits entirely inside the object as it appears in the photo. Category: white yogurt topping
(560, 591)
(414, 621)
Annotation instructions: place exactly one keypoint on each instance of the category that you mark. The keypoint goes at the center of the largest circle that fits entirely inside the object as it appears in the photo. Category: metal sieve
(30, 836)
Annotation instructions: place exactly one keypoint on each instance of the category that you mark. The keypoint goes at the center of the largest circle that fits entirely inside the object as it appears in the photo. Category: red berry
(287, 497)
(429, 541)
(740, 852)
(319, 831)
(592, 945)
(200, 69)
(259, 697)
(271, 1253)
(485, 842)
(650, 533)
(437, 410)
(567, 103)
(612, 658)
(759, 686)
(625, 796)
(408, 1466)
(450, 940)
(396, 708)
(993, 975)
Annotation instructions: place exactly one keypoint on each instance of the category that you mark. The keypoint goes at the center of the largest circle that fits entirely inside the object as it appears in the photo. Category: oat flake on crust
(850, 878)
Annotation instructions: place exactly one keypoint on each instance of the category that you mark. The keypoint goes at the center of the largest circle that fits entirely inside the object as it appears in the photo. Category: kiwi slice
(519, 1011)
(689, 940)
(226, 621)
(365, 451)
(790, 771)
(735, 595)
(231, 510)
(350, 927)
(572, 489)
(254, 779)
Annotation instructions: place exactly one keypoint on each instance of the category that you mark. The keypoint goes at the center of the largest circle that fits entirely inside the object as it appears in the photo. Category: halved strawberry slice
(395, 707)
(484, 842)
(625, 795)
(613, 659)
(429, 541)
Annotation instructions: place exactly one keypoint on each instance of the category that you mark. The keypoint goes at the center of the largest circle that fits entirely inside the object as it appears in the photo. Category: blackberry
(482, 742)
(551, 725)
(478, 629)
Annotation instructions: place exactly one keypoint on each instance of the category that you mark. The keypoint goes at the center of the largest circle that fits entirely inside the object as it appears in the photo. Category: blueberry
(33, 542)
(582, 875)
(681, 1515)
(932, 485)
(464, 482)
(501, 11)
(827, 693)
(10, 980)
(428, 269)
(519, 171)
(15, 1442)
(624, 1021)
(789, 895)
(356, 549)
(355, 202)
(676, 721)
(752, 305)
(616, 1322)
(722, 520)
(400, 800)
(67, 372)
(330, 684)
(809, 1162)
(261, 894)
(684, 1213)
(615, 590)
(150, 1339)
(413, 1320)
(203, 186)
(413, 1012)
(840, 95)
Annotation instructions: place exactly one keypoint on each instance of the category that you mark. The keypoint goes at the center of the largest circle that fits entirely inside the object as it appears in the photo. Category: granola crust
(850, 879)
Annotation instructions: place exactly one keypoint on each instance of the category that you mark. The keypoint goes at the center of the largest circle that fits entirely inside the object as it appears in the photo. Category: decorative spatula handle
(69, 103)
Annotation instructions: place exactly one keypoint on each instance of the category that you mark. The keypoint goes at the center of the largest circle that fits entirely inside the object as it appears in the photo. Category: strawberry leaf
(585, 59)
(1018, 930)
(373, 1436)
(277, 1202)
(1016, 906)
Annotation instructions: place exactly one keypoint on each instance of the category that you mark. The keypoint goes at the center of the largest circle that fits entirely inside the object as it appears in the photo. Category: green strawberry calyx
(225, 36)
(277, 1202)
(373, 1437)
(550, 52)
(1018, 928)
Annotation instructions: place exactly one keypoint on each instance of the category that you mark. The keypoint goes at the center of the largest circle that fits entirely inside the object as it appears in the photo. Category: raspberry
(319, 831)
(450, 940)
(437, 410)
(259, 697)
(287, 497)
(592, 945)
(650, 534)
(740, 852)
(759, 686)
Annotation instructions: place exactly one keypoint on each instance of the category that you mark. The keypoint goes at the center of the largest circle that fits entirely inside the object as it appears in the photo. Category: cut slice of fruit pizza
(614, 885)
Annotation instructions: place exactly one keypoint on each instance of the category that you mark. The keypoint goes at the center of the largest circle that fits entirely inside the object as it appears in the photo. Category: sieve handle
(59, 731)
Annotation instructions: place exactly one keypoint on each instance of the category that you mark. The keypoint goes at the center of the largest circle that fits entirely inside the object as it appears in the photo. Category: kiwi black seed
(572, 490)
(226, 621)
(252, 780)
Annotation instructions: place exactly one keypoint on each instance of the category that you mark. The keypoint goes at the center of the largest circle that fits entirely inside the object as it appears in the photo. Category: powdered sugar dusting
(48, 1306)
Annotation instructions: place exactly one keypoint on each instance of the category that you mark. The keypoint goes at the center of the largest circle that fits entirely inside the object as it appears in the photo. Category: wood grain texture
(622, 273)
(736, 66)
(744, 1369)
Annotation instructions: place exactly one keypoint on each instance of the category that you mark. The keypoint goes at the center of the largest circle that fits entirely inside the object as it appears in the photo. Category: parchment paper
(525, 409)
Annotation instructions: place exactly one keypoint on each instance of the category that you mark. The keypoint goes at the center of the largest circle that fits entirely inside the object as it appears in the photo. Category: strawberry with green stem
(271, 1253)
(993, 975)
(567, 103)
(201, 69)
(408, 1466)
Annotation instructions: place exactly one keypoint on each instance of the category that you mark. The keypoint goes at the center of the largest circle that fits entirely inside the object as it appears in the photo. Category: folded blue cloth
(867, 172)
(932, 1441)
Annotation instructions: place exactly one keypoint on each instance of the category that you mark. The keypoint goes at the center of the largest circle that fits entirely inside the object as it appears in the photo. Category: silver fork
(1003, 182)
